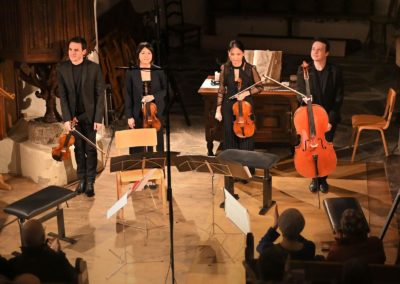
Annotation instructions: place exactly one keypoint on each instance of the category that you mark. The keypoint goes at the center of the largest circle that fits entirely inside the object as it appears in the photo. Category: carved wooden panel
(35, 31)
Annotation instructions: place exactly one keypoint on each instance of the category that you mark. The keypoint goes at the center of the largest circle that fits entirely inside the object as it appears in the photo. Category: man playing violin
(326, 85)
(81, 90)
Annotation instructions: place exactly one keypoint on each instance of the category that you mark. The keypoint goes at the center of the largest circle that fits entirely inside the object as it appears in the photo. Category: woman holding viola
(236, 75)
(143, 86)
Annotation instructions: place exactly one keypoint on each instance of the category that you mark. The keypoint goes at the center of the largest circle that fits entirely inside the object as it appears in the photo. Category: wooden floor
(199, 255)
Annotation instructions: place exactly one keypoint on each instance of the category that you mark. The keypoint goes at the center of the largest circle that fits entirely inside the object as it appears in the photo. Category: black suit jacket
(331, 96)
(134, 92)
(92, 89)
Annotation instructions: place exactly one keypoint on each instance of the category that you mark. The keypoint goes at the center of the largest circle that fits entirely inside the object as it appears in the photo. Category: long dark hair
(140, 47)
(232, 44)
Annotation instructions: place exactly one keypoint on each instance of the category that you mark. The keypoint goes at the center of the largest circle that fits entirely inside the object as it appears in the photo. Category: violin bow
(248, 88)
(88, 141)
(286, 87)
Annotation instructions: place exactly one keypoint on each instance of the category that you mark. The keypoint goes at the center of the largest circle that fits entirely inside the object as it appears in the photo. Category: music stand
(212, 165)
(139, 161)
(119, 205)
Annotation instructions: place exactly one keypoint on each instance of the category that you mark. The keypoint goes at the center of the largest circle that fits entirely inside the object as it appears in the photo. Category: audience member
(26, 278)
(271, 264)
(4, 268)
(353, 240)
(41, 257)
(355, 271)
(291, 223)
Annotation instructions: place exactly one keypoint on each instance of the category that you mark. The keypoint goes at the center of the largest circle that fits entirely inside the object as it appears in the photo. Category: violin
(244, 125)
(149, 109)
(150, 119)
(62, 152)
(314, 156)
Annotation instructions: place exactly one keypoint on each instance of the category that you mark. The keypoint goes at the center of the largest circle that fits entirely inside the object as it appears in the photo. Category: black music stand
(212, 165)
(123, 259)
(389, 217)
(140, 161)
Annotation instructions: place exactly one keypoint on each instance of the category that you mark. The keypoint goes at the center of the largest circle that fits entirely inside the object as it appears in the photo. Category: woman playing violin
(144, 86)
(236, 75)
(326, 85)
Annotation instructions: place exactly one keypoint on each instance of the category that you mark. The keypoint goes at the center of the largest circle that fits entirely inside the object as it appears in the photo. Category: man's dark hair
(324, 41)
(79, 39)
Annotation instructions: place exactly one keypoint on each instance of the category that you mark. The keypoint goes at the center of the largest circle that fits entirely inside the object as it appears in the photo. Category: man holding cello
(81, 90)
(326, 86)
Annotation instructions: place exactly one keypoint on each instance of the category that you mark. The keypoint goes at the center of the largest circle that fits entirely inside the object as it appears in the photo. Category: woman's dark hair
(78, 39)
(236, 43)
(140, 47)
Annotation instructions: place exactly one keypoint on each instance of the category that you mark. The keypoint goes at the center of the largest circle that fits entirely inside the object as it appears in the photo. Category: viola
(314, 156)
(62, 152)
(150, 119)
(244, 125)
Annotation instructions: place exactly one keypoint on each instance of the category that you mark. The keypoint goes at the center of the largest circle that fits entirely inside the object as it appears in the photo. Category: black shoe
(153, 186)
(89, 189)
(313, 185)
(81, 188)
(323, 186)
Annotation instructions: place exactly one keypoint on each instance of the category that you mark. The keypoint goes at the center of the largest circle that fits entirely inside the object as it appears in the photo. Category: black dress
(228, 87)
(135, 90)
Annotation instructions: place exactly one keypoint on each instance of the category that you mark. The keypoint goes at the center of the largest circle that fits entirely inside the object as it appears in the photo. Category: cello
(314, 156)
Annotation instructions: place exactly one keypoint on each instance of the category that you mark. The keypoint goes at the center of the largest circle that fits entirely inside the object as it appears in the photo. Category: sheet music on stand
(213, 165)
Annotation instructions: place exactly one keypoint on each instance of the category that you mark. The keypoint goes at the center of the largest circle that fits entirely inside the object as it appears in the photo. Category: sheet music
(118, 205)
(237, 213)
(137, 186)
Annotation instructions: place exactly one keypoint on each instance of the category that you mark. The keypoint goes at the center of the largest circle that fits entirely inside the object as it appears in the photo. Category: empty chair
(141, 137)
(362, 122)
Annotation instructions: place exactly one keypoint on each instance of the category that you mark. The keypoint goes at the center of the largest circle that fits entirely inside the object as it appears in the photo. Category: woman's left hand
(148, 98)
(243, 95)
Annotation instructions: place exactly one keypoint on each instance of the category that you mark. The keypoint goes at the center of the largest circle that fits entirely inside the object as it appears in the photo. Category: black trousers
(85, 154)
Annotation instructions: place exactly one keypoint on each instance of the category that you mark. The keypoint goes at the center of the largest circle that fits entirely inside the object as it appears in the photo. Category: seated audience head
(291, 223)
(26, 278)
(33, 234)
(353, 224)
(271, 264)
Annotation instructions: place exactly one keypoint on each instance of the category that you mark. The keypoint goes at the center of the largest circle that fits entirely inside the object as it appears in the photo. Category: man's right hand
(67, 126)
(131, 122)
(218, 115)
(306, 99)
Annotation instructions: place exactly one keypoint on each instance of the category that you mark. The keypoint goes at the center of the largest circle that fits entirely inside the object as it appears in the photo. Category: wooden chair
(362, 122)
(142, 137)
(176, 24)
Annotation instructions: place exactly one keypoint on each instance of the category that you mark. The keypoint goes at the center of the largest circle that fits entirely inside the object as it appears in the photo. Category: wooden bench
(48, 198)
